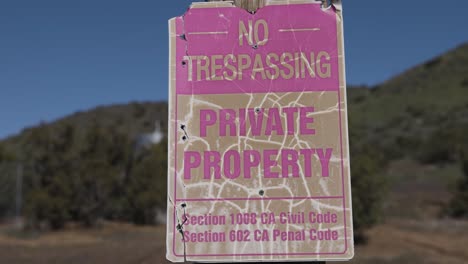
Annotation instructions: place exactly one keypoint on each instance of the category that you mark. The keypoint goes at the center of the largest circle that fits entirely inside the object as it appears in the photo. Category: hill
(435, 87)
(133, 119)
(401, 114)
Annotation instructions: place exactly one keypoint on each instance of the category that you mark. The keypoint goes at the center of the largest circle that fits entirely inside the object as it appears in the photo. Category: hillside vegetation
(421, 113)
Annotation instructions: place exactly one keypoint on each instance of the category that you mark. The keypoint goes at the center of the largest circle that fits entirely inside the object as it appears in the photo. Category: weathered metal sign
(258, 141)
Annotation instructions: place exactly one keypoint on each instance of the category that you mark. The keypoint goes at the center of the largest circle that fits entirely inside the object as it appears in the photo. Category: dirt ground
(442, 241)
(398, 241)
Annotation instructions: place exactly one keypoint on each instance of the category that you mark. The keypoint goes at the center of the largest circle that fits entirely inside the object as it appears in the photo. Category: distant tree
(99, 173)
(5, 155)
(48, 187)
(458, 206)
(368, 189)
(7, 181)
(139, 110)
(147, 184)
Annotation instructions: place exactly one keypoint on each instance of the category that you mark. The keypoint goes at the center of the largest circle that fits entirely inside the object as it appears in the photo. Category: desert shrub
(433, 63)
(439, 147)
(464, 82)
(415, 111)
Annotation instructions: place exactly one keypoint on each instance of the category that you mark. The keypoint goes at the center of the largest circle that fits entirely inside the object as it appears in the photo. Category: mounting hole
(261, 192)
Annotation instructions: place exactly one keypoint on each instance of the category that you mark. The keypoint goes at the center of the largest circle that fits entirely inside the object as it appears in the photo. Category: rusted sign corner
(337, 4)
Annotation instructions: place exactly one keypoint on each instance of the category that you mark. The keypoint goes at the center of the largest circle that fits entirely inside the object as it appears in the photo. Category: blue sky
(58, 57)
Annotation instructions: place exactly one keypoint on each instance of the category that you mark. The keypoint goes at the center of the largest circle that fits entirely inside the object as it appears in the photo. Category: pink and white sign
(258, 141)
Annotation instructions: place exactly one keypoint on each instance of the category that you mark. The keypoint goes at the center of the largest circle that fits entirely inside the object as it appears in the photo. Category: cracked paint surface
(295, 27)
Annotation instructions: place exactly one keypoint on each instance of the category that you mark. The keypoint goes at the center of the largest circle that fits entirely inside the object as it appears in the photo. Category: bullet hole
(255, 46)
(183, 205)
(261, 192)
(183, 37)
(185, 137)
(257, 110)
(184, 63)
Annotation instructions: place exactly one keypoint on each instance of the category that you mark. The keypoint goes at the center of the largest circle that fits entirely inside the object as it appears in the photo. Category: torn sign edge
(173, 210)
